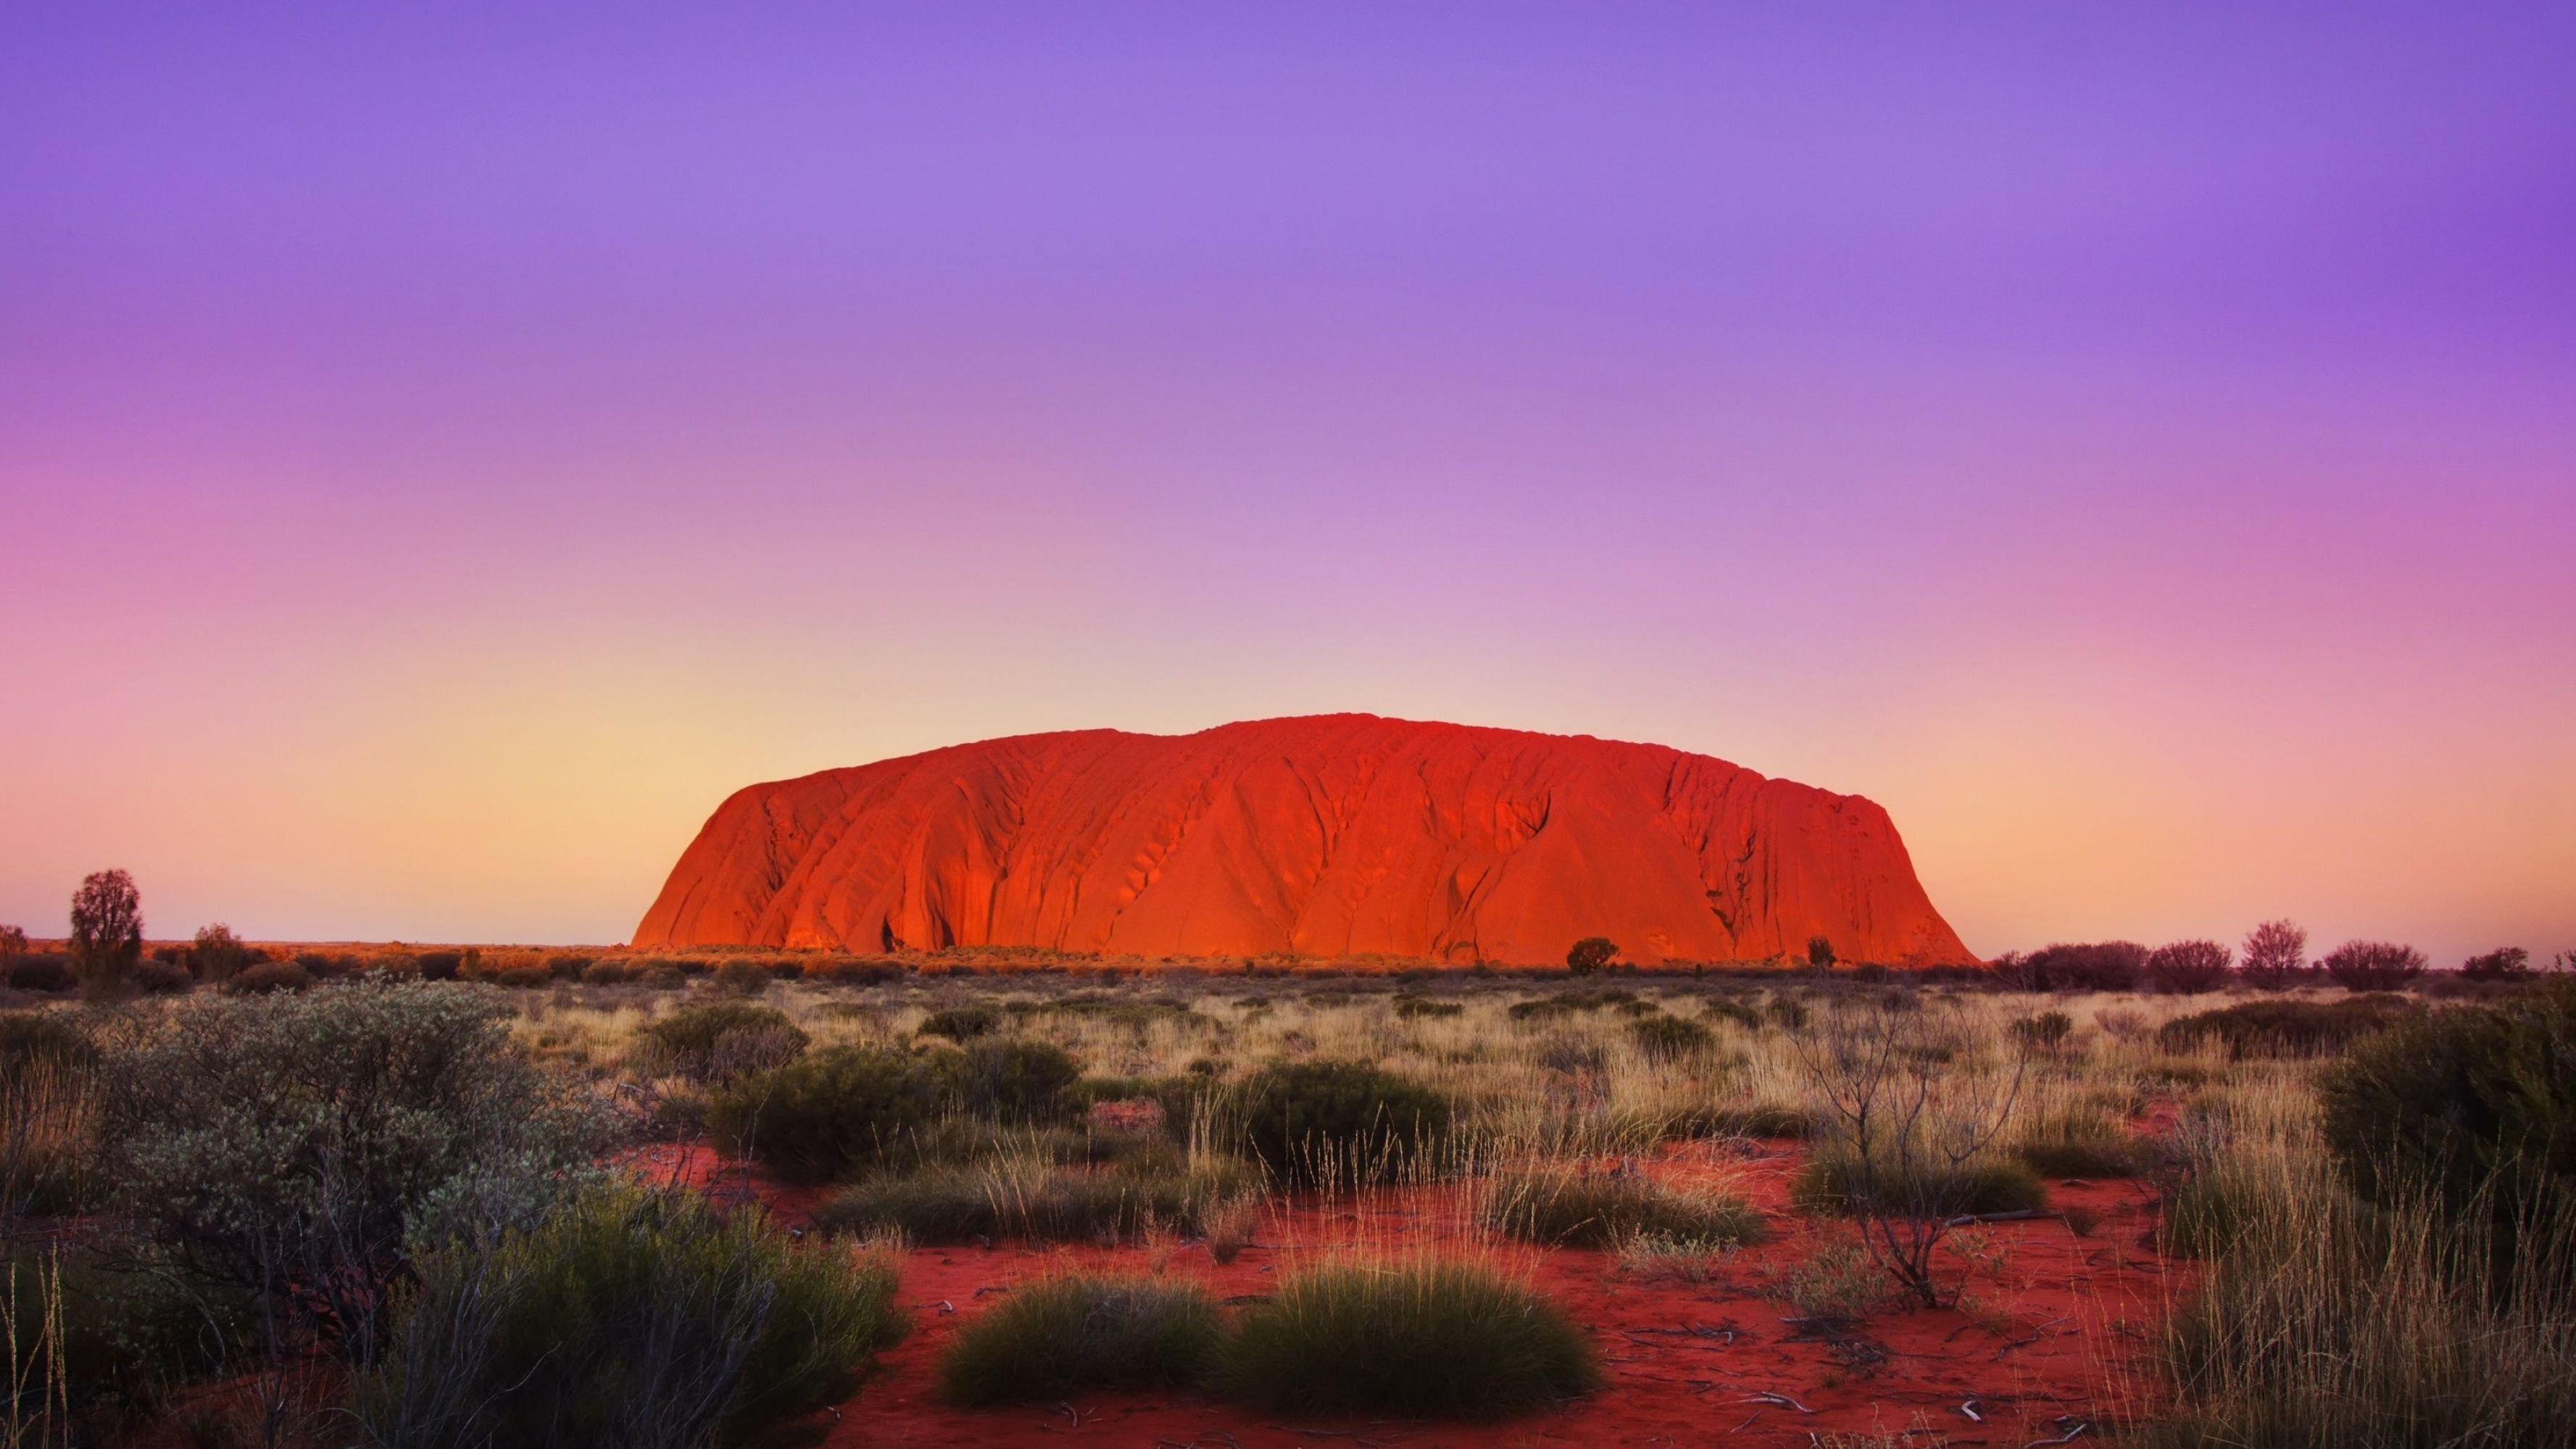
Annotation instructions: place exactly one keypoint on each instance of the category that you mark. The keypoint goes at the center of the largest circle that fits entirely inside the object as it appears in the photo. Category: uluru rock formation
(1329, 835)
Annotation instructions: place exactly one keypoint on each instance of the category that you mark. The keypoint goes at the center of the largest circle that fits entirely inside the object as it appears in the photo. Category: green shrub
(1562, 1207)
(1412, 1007)
(1833, 1180)
(2079, 1144)
(2047, 1030)
(2277, 1028)
(38, 971)
(267, 977)
(2476, 1106)
(1727, 1008)
(297, 1145)
(961, 1023)
(2373, 965)
(721, 1040)
(1440, 1338)
(1062, 1336)
(1590, 954)
(2214, 1209)
(1663, 1038)
(1016, 1080)
(1739, 1119)
(628, 1316)
(944, 1203)
(1340, 1123)
(832, 1110)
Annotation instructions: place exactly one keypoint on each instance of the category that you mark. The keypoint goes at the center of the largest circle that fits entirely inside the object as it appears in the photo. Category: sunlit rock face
(1327, 836)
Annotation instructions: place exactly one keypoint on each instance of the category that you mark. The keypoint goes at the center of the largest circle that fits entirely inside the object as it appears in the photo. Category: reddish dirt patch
(2057, 1325)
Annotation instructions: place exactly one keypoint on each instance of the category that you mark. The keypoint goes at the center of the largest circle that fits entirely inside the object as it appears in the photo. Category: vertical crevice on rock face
(1324, 834)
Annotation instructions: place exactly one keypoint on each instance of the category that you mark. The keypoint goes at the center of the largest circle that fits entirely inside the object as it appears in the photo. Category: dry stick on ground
(1909, 1125)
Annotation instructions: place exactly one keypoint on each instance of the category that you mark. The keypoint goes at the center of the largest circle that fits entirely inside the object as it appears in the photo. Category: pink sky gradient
(440, 458)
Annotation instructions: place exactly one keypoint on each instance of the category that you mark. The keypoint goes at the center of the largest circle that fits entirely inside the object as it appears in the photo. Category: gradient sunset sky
(445, 449)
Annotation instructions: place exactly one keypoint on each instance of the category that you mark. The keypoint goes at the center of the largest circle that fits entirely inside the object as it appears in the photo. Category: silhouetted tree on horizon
(107, 932)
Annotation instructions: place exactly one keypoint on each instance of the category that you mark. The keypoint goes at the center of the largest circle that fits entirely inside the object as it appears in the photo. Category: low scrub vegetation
(1062, 1336)
(832, 1111)
(1429, 1337)
(2286, 1028)
(1572, 1207)
(1341, 1123)
(626, 1316)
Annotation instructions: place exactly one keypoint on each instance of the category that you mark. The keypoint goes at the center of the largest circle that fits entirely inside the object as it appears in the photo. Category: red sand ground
(2062, 1326)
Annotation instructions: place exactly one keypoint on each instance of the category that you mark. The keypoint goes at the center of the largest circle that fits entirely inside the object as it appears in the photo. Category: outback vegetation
(495, 1197)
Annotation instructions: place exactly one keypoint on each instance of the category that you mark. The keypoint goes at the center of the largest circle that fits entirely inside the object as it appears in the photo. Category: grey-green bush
(296, 1145)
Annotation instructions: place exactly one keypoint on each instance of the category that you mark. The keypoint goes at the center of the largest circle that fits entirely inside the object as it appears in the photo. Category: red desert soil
(2060, 1326)
(1332, 835)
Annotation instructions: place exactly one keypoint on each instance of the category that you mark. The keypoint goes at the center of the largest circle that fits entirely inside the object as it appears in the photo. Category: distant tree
(2373, 965)
(2088, 966)
(13, 944)
(107, 932)
(1820, 952)
(2184, 968)
(1590, 954)
(2275, 953)
(2498, 965)
(218, 953)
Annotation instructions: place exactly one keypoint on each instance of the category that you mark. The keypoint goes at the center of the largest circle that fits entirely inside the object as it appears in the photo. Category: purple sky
(440, 455)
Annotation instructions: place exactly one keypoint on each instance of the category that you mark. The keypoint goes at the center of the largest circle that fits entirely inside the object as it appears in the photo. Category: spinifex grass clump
(1434, 1337)
(1836, 1181)
(2074, 1143)
(1340, 1123)
(1068, 1335)
(1569, 1207)
(1029, 1198)
(1664, 1039)
(2324, 1323)
(628, 1317)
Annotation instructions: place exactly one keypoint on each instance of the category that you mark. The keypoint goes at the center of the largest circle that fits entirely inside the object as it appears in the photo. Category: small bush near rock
(829, 1111)
(961, 1023)
(1341, 1123)
(720, 1040)
(1665, 1039)
(1015, 1080)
